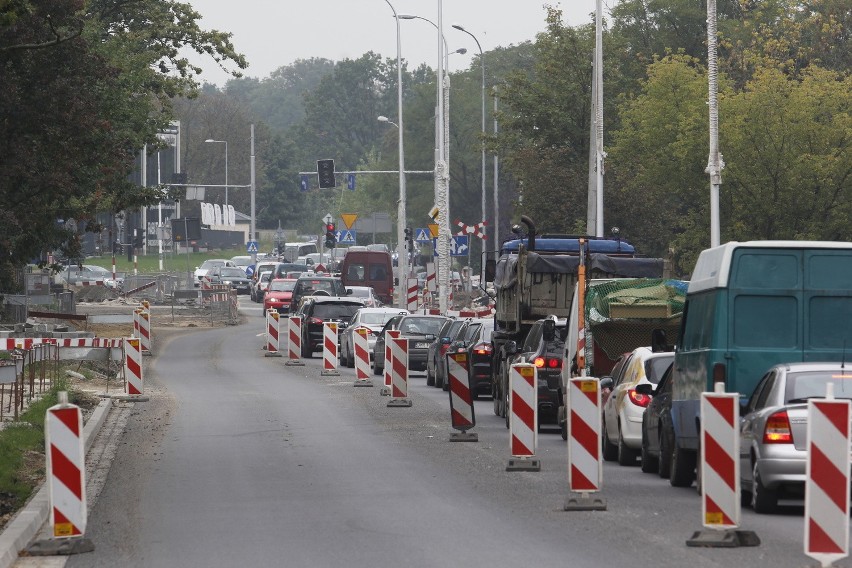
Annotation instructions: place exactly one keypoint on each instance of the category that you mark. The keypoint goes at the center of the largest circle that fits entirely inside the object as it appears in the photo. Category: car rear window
(376, 318)
(335, 311)
(811, 384)
(426, 326)
(282, 286)
(656, 367)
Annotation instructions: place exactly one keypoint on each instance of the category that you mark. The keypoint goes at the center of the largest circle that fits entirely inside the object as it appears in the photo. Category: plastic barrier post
(720, 472)
(462, 416)
(390, 335)
(585, 467)
(412, 294)
(272, 334)
(827, 480)
(145, 331)
(399, 373)
(329, 349)
(523, 418)
(133, 366)
(294, 341)
(362, 357)
(66, 472)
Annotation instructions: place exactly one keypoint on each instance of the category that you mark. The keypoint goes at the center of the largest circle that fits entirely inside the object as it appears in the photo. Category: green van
(749, 306)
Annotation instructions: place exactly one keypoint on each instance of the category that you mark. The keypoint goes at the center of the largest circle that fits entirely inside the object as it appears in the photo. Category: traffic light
(325, 173)
(409, 237)
(330, 236)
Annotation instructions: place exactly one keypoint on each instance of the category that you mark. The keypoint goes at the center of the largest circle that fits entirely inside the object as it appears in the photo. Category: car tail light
(637, 398)
(444, 348)
(315, 321)
(777, 429)
(482, 349)
(547, 362)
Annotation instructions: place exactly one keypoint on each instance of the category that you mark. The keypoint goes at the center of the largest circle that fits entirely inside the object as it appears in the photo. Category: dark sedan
(234, 277)
(657, 426)
(317, 310)
(420, 330)
(479, 357)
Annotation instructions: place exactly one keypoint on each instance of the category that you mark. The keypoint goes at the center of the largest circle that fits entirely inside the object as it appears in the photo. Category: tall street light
(402, 272)
(225, 142)
(482, 64)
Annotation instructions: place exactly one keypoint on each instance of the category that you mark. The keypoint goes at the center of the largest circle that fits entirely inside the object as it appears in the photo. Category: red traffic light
(330, 227)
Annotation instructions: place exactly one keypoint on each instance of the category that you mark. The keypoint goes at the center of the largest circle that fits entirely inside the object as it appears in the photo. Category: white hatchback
(623, 409)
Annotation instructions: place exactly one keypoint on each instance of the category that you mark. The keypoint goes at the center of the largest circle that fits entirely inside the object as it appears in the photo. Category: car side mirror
(646, 389)
(511, 347)
(606, 383)
(445, 341)
(490, 270)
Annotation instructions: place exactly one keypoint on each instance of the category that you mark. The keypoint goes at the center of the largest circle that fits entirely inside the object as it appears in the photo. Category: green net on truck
(622, 314)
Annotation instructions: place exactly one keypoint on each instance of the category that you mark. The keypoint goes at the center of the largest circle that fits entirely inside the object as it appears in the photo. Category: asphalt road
(239, 460)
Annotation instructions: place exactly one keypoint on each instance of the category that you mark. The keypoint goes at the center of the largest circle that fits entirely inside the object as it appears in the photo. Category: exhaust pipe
(530, 231)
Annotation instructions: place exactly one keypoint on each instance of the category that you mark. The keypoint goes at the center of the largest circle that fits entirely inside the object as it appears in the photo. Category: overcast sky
(274, 33)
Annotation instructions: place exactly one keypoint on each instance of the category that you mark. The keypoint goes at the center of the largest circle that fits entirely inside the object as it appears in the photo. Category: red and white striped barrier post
(133, 366)
(827, 479)
(412, 294)
(145, 331)
(272, 334)
(294, 341)
(462, 416)
(390, 335)
(399, 373)
(329, 349)
(523, 417)
(585, 467)
(720, 472)
(362, 357)
(136, 313)
(66, 468)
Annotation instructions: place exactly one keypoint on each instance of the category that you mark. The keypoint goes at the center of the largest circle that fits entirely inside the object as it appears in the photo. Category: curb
(27, 522)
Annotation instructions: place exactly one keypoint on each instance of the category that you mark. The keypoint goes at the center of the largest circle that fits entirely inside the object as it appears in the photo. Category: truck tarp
(506, 275)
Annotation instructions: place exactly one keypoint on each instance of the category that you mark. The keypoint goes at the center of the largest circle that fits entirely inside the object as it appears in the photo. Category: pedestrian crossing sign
(422, 235)
(251, 246)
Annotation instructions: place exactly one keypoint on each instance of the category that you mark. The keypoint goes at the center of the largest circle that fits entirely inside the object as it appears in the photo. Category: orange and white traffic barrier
(412, 294)
(88, 342)
(827, 479)
(362, 357)
(462, 416)
(523, 417)
(272, 334)
(133, 366)
(431, 280)
(720, 472)
(66, 468)
(720, 460)
(585, 467)
(145, 331)
(399, 372)
(136, 313)
(329, 349)
(294, 341)
(390, 335)
(12, 343)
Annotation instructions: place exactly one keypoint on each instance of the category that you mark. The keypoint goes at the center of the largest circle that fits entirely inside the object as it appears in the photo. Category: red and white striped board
(294, 341)
(145, 331)
(827, 480)
(66, 469)
(431, 279)
(585, 468)
(329, 349)
(399, 372)
(462, 416)
(133, 366)
(390, 335)
(12, 343)
(362, 357)
(272, 334)
(720, 459)
(523, 415)
(89, 342)
(412, 294)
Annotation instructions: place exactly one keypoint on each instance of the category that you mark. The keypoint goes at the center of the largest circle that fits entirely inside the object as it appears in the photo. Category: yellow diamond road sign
(433, 213)
(433, 228)
(349, 219)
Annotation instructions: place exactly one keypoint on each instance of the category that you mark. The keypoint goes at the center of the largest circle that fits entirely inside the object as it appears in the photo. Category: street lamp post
(401, 212)
(225, 142)
(482, 64)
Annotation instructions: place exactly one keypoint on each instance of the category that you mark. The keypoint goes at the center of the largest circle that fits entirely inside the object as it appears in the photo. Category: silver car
(374, 319)
(773, 429)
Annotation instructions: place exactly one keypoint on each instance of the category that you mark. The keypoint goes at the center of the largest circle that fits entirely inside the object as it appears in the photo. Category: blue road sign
(346, 237)
(459, 246)
(303, 184)
(251, 246)
(350, 182)
(422, 235)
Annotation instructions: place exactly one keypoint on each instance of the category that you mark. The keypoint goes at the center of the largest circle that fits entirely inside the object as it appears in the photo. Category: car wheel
(430, 378)
(664, 460)
(649, 463)
(564, 429)
(495, 397)
(610, 450)
(306, 350)
(626, 454)
(763, 500)
(682, 468)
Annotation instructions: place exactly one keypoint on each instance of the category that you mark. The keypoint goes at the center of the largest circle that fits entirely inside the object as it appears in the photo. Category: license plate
(421, 345)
